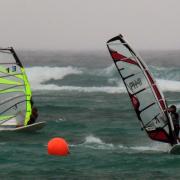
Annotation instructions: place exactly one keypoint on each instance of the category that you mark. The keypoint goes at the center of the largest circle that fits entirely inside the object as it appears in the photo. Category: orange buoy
(58, 146)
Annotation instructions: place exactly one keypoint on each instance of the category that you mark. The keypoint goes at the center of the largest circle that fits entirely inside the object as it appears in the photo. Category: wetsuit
(175, 119)
(33, 117)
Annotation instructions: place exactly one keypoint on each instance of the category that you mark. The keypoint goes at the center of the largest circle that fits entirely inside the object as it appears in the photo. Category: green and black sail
(15, 92)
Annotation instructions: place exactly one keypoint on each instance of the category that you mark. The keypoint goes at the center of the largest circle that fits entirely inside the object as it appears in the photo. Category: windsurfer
(175, 119)
(34, 114)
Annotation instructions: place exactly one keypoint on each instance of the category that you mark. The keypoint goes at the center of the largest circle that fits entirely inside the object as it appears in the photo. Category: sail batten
(146, 98)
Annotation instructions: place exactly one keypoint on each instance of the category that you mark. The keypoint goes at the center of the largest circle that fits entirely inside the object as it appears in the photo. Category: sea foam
(94, 142)
(169, 85)
(39, 76)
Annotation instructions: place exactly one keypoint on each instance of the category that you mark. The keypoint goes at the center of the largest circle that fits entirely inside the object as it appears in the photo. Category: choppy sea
(82, 99)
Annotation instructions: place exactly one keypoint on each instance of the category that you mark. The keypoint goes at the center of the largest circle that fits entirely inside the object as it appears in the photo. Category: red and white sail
(147, 100)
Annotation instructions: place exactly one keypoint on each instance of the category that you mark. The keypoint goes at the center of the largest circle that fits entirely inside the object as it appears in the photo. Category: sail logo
(136, 83)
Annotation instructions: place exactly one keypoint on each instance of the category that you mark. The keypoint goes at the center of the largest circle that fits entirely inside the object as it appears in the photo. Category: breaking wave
(169, 85)
(107, 78)
(110, 90)
(39, 75)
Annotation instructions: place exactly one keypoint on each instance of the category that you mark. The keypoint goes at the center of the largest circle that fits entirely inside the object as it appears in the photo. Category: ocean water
(82, 99)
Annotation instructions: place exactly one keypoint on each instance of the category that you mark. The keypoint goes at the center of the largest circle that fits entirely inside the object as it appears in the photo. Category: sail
(146, 98)
(15, 92)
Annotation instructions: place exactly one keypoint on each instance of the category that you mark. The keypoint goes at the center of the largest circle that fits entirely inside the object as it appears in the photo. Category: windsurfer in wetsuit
(34, 114)
(175, 119)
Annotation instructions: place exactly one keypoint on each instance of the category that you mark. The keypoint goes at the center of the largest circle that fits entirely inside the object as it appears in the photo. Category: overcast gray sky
(88, 24)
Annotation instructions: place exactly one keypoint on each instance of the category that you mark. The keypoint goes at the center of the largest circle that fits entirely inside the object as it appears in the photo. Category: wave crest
(106, 80)
(38, 75)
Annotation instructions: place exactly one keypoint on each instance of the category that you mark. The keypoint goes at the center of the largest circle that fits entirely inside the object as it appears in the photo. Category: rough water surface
(82, 99)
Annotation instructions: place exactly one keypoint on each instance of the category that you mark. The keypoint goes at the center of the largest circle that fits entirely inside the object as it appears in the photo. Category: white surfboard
(29, 128)
(175, 149)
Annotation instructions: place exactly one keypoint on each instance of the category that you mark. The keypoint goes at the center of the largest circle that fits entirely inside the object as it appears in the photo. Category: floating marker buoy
(58, 146)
